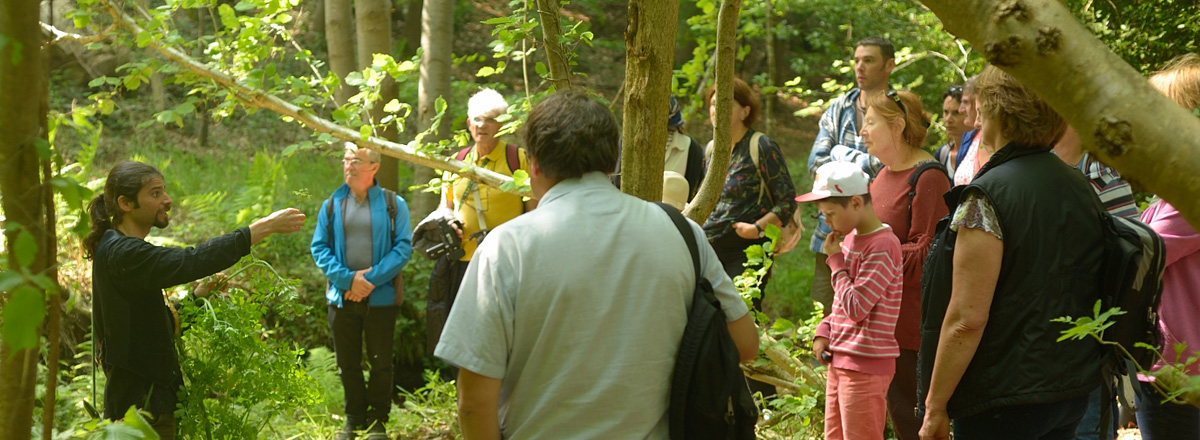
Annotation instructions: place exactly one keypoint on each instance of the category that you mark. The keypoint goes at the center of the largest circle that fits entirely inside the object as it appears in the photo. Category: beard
(163, 222)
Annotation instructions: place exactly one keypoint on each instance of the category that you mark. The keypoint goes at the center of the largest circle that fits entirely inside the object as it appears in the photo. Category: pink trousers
(855, 405)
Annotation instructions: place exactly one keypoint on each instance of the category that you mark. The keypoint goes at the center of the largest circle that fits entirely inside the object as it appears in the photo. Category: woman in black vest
(1022, 246)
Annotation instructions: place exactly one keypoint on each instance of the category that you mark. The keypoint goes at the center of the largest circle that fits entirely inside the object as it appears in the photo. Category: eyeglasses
(896, 98)
(956, 89)
(353, 163)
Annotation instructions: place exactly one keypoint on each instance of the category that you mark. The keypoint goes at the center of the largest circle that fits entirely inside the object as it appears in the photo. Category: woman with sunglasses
(894, 129)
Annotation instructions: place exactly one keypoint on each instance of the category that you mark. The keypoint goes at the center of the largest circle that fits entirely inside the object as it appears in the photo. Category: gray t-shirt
(578, 307)
(356, 220)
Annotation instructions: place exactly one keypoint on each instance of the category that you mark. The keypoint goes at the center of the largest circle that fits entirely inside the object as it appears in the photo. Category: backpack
(710, 398)
(514, 159)
(389, 198)
(1131, 279)
(916, 175)
(789, 234)
(1134, 259)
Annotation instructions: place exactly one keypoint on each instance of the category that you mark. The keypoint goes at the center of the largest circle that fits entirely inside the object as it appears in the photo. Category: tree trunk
(20, 193)
(710, 189)
(412, 29)
(374, 35)
(556, 57)
(1041, 44)
(339, 40)
(769, 98)
(650, 58)
(437, 40)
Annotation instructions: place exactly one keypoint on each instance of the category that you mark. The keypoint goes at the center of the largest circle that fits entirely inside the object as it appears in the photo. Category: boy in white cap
(857, 337)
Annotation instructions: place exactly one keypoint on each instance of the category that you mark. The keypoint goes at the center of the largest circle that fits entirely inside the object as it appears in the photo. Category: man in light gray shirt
(569, 317)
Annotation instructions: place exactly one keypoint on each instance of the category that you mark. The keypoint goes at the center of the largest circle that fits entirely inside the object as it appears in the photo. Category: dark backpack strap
(689, 236)
(514, 157)
(462, 154)
(389, 198)
(329, 215)
(916, 176)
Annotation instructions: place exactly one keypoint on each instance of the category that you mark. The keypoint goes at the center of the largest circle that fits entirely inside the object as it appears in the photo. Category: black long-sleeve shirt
(134, 327)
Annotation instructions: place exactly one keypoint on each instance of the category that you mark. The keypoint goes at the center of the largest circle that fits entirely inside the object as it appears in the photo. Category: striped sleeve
(876, 276)
(1115, 193)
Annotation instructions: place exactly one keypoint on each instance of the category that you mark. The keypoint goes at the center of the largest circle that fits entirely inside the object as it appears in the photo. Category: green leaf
(22, 316)
(364, 132)
(9, 280)
(540, 69)
(244, 6)
(782, 325)
(144, 38)
(485, 71)
(290, 150)
(82, 20)
(43, 148)
(497, 20)
(392, 106)
(132, 82)
(165, 116)
(25, 249)
(186, 108)
(134, 419)
(228, 17)
(97, 82)
(440, 105)
(354, 79)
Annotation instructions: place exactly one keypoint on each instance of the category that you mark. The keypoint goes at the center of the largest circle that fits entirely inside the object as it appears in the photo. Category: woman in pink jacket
(1180, 81)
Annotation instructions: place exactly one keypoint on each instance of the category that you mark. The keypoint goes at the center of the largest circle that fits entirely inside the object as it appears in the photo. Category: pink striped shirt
(868, 282)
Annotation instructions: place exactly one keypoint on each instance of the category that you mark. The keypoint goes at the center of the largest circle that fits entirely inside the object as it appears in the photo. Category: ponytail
(101, 222)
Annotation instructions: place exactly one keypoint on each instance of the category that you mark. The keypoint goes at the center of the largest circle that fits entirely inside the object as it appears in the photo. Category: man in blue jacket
(361, 243)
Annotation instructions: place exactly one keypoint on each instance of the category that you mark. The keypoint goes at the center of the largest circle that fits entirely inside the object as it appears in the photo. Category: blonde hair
(916, 121)
(1180, 80)
(1020, 115)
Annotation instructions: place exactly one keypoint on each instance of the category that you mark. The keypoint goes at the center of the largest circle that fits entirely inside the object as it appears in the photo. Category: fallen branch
(257, 98)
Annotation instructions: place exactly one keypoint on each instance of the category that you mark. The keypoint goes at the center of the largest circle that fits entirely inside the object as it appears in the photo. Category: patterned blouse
(742, 198)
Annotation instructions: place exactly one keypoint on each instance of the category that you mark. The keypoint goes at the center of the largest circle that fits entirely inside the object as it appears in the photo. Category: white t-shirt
(578, 307)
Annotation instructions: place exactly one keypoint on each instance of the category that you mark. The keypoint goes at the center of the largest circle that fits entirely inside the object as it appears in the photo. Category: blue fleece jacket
(386, 260)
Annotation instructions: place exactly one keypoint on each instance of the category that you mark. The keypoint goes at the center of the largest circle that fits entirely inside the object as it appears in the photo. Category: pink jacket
(1181, 282)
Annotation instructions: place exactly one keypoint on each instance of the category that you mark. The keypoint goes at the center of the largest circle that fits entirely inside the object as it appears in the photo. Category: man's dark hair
(885, 47)
(570, 134)
(125, 179)
(844, 201)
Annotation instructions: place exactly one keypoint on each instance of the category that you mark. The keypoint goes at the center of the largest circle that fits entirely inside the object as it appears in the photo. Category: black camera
(447, 243)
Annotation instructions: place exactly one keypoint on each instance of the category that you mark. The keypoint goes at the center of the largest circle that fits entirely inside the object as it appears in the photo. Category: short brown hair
(916, 122)
(744, 95)
(1180, 80)
(1021, 116)
(569, 134)
(844, 201)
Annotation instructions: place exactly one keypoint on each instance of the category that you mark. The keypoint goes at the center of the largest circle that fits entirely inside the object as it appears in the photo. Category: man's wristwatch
(761, 232)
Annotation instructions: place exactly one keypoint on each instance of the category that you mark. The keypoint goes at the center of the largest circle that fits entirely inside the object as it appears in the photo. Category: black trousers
(124, 388)
(351, 325)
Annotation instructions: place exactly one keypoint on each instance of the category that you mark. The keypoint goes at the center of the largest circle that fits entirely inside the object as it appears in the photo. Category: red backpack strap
(514, 157)
(462, 154)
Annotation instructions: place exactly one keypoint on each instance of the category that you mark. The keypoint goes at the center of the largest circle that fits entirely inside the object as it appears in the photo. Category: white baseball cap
(837, 179)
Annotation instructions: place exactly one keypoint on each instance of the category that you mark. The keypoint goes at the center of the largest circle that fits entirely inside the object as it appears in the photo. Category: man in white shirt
(569, 317)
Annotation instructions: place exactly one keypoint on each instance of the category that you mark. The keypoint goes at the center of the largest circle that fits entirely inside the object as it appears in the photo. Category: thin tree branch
(61, 36)
(257, 98)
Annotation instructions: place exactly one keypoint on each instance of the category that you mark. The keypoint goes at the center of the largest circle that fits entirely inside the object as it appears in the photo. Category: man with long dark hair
(133, 324)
